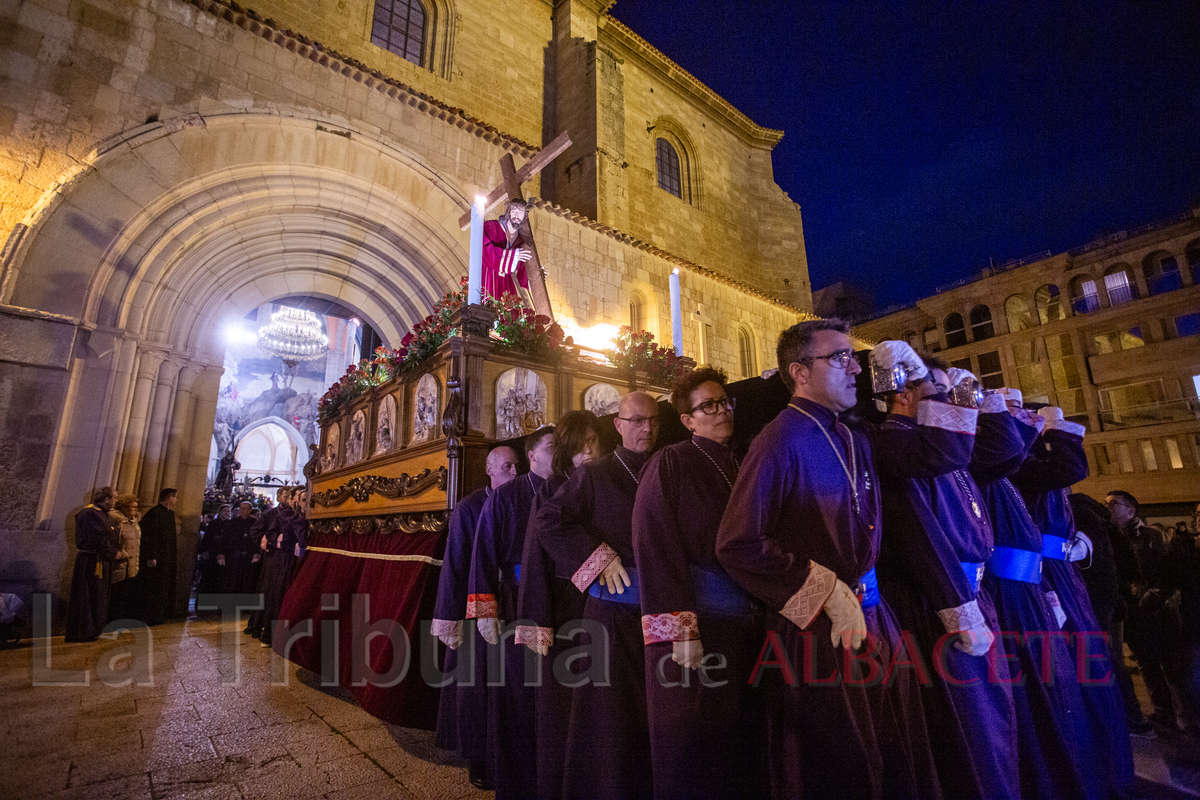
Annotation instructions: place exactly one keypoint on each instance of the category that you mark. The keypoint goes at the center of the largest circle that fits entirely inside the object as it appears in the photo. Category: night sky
(923, 139)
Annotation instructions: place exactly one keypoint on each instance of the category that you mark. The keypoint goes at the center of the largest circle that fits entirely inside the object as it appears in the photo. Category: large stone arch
(169, 231)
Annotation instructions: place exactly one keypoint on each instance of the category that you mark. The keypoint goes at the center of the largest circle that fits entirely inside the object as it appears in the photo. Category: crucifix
(510, 189)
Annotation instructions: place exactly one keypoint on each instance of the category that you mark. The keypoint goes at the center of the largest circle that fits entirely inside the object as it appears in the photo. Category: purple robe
(706, 734)
(462, 708)
(495, 578)
(583, 526)
(502, 272)
(1047, 753)
(794, 522)
(96, 541)
(936, 530)
(547, 600)
(1057, 461)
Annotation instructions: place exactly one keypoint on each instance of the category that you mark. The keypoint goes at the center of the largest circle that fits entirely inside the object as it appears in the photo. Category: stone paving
(189, 735)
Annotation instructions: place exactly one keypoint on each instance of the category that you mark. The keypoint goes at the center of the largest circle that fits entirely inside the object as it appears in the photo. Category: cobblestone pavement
(189, 735)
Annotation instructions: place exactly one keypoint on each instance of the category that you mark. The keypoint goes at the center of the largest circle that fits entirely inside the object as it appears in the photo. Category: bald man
(587, 528)
(462, 713)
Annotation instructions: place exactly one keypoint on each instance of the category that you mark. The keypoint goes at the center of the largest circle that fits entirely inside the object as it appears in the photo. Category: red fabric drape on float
(397, 574)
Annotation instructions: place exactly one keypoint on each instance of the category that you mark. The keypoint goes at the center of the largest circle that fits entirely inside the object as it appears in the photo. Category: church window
(933, 342)
(956, 334)
(637, 312)
(1020, 317)
(1120, 289)
(399, 26)
(746, 359)
(1161, 272)
(669, 175)
(1084, 296)
(981, 323)
(990, 373)
(1049, 305)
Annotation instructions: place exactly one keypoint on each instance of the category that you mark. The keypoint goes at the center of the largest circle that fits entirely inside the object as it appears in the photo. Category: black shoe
(253, 633)
(478, 777)
(1142, 729)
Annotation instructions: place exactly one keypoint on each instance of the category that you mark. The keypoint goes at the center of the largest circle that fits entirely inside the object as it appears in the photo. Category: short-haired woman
(124, 517)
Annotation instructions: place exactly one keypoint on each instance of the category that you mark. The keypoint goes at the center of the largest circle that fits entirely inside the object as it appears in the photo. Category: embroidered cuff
(678, 626)
(802, 607)
(993, 403)
(445, 627)
(1027, 417)
(531, 635)
(595, 564)
(957, 419)
(482, 605)
(963, 618)
(1066, 426)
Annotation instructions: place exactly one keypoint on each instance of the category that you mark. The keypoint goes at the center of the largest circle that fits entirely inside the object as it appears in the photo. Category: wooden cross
(510, 189)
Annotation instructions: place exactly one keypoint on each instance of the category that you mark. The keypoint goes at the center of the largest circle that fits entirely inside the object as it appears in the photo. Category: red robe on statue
(501, 269)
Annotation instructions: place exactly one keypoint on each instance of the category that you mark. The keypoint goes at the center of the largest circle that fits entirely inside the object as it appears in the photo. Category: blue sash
(1055, 547)
(632, 595)
(974, 572)
(868, 589)
(1016, 565)
(716, 593)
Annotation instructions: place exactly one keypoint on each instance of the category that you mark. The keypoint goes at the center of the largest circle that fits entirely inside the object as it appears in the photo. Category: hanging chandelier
(293, 335)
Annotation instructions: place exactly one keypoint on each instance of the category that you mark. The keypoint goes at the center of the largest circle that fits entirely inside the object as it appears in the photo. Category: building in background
(1109, 331)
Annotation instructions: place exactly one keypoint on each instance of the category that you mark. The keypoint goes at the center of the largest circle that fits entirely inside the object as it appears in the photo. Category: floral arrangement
(516, 328)
(637, 351)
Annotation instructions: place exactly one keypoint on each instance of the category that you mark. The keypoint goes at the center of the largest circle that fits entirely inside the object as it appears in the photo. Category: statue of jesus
(505, 254)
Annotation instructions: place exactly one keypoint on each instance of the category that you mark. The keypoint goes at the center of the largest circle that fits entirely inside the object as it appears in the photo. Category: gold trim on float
(377, 556)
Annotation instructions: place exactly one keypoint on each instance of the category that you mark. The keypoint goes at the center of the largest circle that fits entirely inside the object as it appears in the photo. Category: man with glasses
(801, 533)
(587, 528)
(705, 736)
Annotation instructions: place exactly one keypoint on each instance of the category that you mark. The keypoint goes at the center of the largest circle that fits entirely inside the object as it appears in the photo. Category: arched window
(1161, 270)
(981, 323)
(1049, 304)
(1085, 297)
(1119, 286)
(746, 359)
(956, 334)
(637, 312)
(913, 339)
(399, 26)
(669, 172)
(1018, 314)
(933, 342)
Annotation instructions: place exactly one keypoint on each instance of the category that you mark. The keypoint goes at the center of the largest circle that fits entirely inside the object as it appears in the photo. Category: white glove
(687, 654)
(1081, 547)
(296, 550)
(957, 376)
(1029, 418)
(453, 638)
(220, 560)
(541, 648)
(1051, 413)
(255, 560)
(888, 354)
(975, 641)
(489, 629)
(1060, 616)
(846, 614)
(614, 577)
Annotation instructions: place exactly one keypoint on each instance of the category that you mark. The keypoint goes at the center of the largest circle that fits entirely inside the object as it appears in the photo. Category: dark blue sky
(923, 139)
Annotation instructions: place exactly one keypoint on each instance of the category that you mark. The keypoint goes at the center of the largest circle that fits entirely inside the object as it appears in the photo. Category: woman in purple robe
(803, 526)
(1056, 461)
(547, 601)
(706, 733)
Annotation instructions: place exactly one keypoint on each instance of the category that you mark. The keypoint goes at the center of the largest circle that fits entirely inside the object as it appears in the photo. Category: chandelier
(293, 335)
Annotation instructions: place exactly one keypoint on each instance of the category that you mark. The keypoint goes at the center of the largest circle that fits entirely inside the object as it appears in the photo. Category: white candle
(475, 264)
(676, 313)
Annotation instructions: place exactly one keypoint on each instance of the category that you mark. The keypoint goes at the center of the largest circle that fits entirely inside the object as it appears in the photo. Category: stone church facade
(168, 165)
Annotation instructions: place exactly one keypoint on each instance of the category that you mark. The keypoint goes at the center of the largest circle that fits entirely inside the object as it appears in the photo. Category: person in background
(237, 552)
(267, 522)
(96, 541)
(156, 578)
(125, 570)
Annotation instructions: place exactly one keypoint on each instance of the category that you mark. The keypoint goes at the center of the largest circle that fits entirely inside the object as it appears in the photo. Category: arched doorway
(270, 447)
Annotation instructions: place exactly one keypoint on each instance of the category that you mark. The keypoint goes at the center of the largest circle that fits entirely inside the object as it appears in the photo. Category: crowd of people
(910, 605)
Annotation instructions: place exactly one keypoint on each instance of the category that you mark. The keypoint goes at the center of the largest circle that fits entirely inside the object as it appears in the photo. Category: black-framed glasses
(710, 407)
(638, 422)
(840, 359)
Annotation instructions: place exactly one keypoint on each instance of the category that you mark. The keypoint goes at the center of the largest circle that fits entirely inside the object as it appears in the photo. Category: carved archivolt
(362, 487)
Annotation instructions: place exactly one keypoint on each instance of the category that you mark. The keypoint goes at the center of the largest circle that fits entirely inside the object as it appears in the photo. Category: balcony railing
(1086, 304)
(1153, 414)
(1119, 295)
(1167, 282)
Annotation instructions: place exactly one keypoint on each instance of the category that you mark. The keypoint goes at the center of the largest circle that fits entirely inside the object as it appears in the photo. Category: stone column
(193, 474)
(181, 418)
(1185, 270)
(139, 411)
(115, 417)
(160, 419)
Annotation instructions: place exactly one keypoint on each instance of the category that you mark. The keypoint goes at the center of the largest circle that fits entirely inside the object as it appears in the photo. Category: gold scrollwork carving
(362, 487)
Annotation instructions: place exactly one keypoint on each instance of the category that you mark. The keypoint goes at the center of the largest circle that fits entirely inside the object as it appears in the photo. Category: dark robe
(546, 602)
(936, 529)
(586, 523)
(1046, 709)
(262, 527)
(1056, 461)
(494, 585)
(278, 563)
(462, 708)
(706, 732)
(96, 541)
(833, 729)
(238, 545)
(211, 544)
(156, 585)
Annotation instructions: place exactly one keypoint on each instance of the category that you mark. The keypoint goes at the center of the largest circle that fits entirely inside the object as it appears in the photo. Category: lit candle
(475, 264)
(676, 313)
